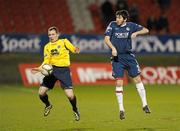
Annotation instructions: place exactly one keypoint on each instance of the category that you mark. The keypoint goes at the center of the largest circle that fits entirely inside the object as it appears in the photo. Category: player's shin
(44, 99)
(119, 95)
(73, 102)
(142, 93)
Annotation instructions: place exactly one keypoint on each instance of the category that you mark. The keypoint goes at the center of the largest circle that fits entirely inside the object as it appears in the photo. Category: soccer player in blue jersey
(118, 37)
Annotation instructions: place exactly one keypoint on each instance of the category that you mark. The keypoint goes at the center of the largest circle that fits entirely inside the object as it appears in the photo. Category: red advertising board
(28, 78)
(161, 75)
(82, 73)
(100, 73)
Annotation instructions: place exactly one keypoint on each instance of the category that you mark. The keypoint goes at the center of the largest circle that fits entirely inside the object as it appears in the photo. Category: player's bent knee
(119, 83)
(137, 79)
(69, 93)
(70, 97)
(42, 91)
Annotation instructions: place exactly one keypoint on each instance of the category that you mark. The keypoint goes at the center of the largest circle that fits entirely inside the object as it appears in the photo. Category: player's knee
(69, 93)
(70, 97)
(137, 79)
(42, 92)
(119, 83)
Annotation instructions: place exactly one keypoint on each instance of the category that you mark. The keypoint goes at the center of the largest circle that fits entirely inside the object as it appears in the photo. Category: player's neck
(123, 24)
(53, 42)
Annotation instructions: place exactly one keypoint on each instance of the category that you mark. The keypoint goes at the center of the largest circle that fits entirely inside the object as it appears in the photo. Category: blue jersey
(120, 36)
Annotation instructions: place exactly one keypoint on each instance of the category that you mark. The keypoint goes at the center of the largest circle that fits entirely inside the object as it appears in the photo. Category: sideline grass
(21, 110)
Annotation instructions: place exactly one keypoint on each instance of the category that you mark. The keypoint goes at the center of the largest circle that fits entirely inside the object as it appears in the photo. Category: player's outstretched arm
(36, 69)
(141, 32)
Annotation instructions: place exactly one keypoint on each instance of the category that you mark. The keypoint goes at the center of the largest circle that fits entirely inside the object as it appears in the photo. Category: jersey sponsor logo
(122, 35)
(54, 52)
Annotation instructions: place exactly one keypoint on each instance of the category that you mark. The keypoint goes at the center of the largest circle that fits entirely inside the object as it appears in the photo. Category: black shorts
(59, 73)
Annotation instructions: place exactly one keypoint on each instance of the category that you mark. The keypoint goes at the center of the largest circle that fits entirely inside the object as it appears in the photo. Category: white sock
(142, 93)
(119, 94)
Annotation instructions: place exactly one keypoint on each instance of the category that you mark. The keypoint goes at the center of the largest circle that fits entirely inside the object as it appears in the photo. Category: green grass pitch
(21, 109)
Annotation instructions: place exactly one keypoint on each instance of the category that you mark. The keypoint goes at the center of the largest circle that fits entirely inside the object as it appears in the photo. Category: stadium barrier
(161, 74)
(165, 44)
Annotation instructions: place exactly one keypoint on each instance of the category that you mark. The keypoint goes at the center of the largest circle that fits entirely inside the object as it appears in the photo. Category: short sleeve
(137, 27)
(109, 29)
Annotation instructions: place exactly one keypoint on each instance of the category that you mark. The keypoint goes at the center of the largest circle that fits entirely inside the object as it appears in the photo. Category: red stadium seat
(37, 15)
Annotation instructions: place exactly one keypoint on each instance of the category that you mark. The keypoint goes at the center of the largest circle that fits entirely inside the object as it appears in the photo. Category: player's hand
(77, 50)
(134, 35)
(114, 52)
(35, 70)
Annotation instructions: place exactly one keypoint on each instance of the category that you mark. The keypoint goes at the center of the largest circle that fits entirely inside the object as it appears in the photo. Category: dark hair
(53, 28)
(123, 13)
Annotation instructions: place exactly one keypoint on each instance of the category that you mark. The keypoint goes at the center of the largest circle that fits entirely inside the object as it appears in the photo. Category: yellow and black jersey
(57, 53)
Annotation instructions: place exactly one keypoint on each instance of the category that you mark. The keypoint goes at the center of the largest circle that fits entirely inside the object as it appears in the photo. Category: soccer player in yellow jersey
(56, 53)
